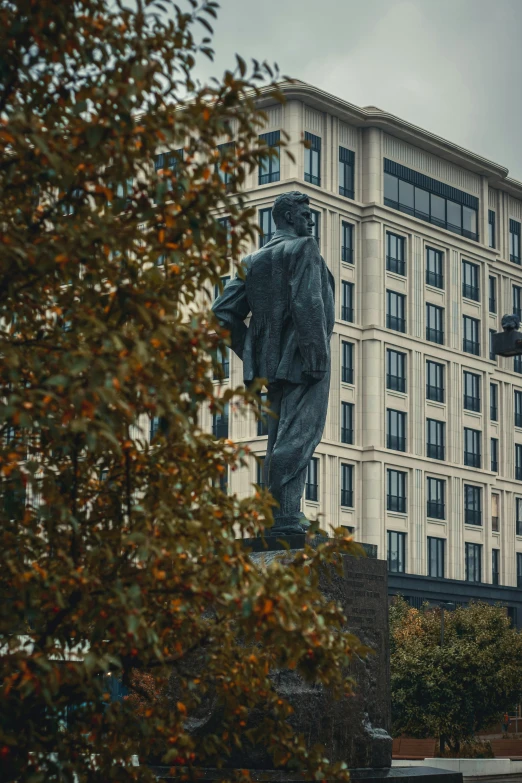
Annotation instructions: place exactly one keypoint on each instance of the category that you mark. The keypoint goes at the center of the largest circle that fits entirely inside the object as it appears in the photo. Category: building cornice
(370, 116)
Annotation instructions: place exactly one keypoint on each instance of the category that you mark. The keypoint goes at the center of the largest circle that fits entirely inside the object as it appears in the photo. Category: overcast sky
(453, 67)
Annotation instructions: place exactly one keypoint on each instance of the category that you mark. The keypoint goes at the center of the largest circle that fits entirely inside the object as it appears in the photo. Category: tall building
(422, 450)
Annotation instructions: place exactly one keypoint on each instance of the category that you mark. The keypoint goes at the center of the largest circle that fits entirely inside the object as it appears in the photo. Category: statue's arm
(307, 308)
(231, 308)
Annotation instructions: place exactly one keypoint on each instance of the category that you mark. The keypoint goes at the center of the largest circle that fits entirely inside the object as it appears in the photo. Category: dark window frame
(396, 495)
(312, 159)
(269, 169)
(514, 241)
(470, 280)
(395, 253)
(472, 505)
(473, 555)
(434, 314)
(435, 393)
(347, 361)
(435, 497)
(395, 360)
(494, 454)
(491, 228)
(471, 346)
(471, 391)
(396, 322)
(312, 480)
(396, 551)
(265, 216)
(347, 422)
(347, 301)
(473, 455)
(435, 268)
(347, 232)
(492, 290)
(346, 172)
(436, 447)
(396, 421)
(436, 557)
(347, 483)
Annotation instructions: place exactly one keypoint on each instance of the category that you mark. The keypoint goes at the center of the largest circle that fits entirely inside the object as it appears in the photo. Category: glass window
(422, 204)
(472, 448)
(262, 422)
(347, 422)
(396, 421)
(396, 552)
(224, 361)
(395, 370)
(493, 402)
(518, 461)
(434, 268)
(473, 562)
(260, 471)
(220, 423)
(316, 231)
(435, 438)
(346, 301)
(396, 498)
(436, 548)
(470, 281)
(495, 566)
(435, 324)
(518, 408)
(346, 485)
(519, 569)
(347, 362)
(494, 455)
(492, 354)
(454, 216)
(491, 228)
(406, 199)
(391, 190)
(471, 335)
(312, 169)
(471, 391)
(492, 294)
(517, 364)
(270, 165)
(469, 223)
(438, 210)
(267, 225)
(395, 261)
(435, 491)
(514, 241)
(517, 300)
(434, 381)
(347, 242)
(346, 172)
(395, 311)
(224, 167)
(472, 505)
(519, 517)
(312, 480)
(495, 519)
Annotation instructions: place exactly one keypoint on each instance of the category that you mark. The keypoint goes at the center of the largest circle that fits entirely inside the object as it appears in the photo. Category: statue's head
(510, 322)
(291, 212)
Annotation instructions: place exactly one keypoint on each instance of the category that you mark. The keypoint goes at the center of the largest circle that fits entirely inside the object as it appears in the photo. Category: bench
(507, 748)
(416, 749)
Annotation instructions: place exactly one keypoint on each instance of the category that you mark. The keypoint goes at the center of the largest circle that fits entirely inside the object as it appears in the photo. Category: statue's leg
(302, 414)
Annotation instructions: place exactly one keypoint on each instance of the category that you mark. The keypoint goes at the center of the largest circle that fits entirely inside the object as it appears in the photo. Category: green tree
(118, 556)
(454, 689)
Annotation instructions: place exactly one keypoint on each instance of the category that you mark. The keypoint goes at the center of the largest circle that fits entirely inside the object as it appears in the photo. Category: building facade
(422, 450)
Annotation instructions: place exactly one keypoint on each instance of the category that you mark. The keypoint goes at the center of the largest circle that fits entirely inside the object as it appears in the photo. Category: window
(312, 480)
(472, 505)
(270, 165)
(396, 421)
(312, 168)
(396, 552)
(346, 301)
(519, 569)
(494, 455)
(395, 261)
(495, 504)
(471, 339)
(434, 381)
(223, 166)
(492, 354)
(154, 428)
(472, 455)
(346, 172)
(395, 370)
(517, 364)
(491, 228)
(218, 288)
(514, 241)
(316, 230)
(518, 408)
(427, 199)
(395, 311)
(346, 422)
(225, 232)
(347, 242)
(470, 281)
(434, 268)
(396, 499)
(518, 461)
(261, 472)
(14, 498)
(346, 485)
(267, 225)
(223, 480)
(435, 431)
(262, 422)
(168, 160)
(224, 357)
(471, 391)
(165, 160)
(519, 517)
(347, 362)
(473, 562)
(492, 294)
(517, 300)
(220, 423)
(435, 324)
(436, 548)
(435, 493)
(495, 566)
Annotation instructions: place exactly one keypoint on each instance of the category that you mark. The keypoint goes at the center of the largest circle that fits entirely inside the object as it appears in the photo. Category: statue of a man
(289, 292)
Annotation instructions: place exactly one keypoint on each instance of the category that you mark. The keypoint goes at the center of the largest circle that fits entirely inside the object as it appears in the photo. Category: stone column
(373, 530)
(293, 124)
(372, 297)
(372, 181)
(371, 400)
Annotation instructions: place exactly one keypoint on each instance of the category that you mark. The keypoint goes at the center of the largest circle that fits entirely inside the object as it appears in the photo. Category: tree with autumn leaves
(119, 556)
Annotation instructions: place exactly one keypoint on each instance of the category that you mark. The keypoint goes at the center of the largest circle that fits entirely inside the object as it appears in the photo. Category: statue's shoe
(297, 524)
